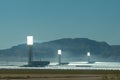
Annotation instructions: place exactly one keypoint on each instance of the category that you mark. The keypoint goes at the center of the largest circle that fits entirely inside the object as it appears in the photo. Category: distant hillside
(72, 50)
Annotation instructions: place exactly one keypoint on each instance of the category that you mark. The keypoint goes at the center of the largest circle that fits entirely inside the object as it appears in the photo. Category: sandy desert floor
(56, 75)
(49, 77)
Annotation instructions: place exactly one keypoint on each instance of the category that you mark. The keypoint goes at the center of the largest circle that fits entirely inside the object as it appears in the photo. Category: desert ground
(58, 75)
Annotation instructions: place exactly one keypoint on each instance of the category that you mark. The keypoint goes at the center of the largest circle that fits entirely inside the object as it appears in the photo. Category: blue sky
(55, 19)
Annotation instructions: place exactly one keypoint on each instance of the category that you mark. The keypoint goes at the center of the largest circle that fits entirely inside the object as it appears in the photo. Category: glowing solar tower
(30, 44)
(88, 55)
(59, 59)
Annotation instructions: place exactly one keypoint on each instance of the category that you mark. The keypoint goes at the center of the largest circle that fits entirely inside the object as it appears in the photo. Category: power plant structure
(89, 58)
(30, 45)
(32, 63)
(60, 58)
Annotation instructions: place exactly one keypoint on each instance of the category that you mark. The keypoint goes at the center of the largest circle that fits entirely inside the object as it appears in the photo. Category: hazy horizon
(49, 20)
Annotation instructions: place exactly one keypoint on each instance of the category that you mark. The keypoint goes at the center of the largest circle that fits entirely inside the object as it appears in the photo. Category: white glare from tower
(88, 54)
(29, 40)
(59, 52)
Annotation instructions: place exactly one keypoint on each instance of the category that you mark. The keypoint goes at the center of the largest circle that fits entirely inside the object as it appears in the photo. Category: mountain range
(73, 49)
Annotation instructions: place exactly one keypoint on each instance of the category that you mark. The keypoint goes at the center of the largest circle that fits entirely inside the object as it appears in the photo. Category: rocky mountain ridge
(72, 50)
